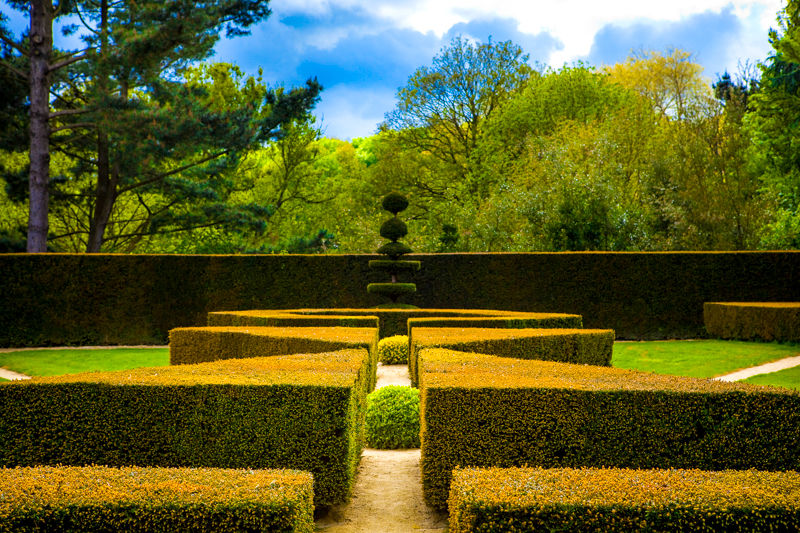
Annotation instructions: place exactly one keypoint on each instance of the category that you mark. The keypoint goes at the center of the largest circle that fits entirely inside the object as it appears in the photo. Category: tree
(775, 126)
(117, 101)
(442, 108)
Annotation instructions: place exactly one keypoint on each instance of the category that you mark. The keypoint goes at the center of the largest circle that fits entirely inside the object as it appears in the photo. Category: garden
(512, 420)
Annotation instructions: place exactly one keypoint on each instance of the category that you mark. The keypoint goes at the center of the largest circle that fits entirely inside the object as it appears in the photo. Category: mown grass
(72, 361)
(789, 378)
(698, 358)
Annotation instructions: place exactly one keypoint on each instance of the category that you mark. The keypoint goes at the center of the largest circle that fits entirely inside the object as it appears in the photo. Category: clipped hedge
(621, 500)
(99, 498)
(288, 318)
(484, 411)
(507, 321)
(392, 420)
(90, 299)
(586, 346)
(767, 321)
(303, 412)
(393, 350)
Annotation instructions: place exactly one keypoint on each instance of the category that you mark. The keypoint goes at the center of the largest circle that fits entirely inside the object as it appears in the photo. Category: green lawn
(72, 361)
(789, 378)
(699, 358)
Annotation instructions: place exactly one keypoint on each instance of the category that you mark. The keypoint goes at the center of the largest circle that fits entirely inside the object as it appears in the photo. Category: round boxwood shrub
(393, 350)
(394, 229)
(394, 202)
(392, 420)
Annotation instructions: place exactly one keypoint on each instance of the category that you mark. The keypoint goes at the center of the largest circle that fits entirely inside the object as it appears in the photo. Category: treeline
(493, 153)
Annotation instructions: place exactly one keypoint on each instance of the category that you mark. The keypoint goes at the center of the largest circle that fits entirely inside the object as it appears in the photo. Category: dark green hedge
(488, 422)
(313, 424)
(504, 500)
(764, 321)
(55, 299)
(103, 499)
(286, 319)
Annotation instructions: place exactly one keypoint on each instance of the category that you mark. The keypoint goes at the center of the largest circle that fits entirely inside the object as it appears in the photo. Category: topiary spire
(393, 229)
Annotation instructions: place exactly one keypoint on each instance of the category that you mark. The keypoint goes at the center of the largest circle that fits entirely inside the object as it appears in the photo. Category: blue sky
(362, 51)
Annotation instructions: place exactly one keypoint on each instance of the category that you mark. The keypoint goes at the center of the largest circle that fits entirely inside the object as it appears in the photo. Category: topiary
(392, 419)
(393, 229)
(393, 350)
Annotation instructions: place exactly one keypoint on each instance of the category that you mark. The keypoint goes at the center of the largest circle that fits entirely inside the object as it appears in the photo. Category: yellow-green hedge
(507, 321)
(768, 321)
(586, 346)
(480, 410)
(498, 500)
(288, 318)
(205, 344)
(99, 498)
(302, 412)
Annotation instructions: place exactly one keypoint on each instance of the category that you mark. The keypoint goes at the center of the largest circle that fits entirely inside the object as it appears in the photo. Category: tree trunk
(104, 197)
(41, 43)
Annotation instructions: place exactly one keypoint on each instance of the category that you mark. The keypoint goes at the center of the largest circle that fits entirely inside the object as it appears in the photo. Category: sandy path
(387, 496)
(781, 364)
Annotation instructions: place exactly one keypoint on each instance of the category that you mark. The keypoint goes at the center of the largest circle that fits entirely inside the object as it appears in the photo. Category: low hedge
(205, 344)
(486, 411)
(767, 321)
(391, 322)
(509, 321)
(586, 346)
(303, 412)
(99, 498)
(288, 318)
(621, 500)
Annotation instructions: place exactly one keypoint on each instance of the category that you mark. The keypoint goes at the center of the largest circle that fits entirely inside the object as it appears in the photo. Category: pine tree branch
(68, 112)
(14, 45)
(159, 177)
(73, 126)
(14, 69)
(70, 60)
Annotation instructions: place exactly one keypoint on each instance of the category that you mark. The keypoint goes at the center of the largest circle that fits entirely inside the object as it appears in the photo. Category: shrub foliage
(766, 321)
(392, 420)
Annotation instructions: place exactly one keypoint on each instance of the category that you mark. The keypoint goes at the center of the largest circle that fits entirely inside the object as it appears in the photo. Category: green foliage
(394, 249)
(562, 415)
(98, 498)
(620, 500)
(393, 350)
(766, 321)
(303, 412)
(392, 420)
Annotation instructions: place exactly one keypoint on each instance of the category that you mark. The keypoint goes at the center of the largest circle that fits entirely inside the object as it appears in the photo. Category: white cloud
(573, 22)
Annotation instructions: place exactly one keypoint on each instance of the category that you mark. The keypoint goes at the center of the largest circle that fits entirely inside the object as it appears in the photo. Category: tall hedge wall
(52, 299)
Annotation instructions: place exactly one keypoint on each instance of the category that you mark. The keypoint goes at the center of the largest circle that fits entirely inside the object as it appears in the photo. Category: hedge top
(629, 488)
(94, 486)
(443, 368)
(357, 336)
(330, 369)
(444, 335)
(773, 305)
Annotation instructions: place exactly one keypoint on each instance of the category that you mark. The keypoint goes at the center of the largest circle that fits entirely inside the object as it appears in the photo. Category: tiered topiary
(393, 229)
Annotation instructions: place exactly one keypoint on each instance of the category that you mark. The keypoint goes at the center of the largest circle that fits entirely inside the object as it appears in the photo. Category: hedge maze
(282, 393)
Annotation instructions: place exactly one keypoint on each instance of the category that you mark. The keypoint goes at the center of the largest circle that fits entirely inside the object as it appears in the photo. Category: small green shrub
(392, 419)
(393, 350)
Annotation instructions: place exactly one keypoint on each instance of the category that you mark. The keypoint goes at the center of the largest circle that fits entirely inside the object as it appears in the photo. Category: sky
(363, 51)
